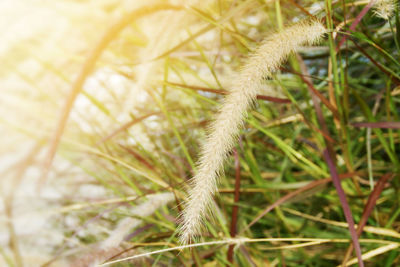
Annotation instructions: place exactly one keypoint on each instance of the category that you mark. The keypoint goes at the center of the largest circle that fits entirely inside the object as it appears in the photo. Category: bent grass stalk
(389, 245)
(87, 69)
(225, 128)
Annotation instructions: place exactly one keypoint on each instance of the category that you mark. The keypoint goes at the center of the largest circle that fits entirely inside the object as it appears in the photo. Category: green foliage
(137, 128)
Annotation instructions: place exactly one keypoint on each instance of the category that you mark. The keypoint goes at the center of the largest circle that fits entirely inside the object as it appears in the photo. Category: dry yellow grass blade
(302, 245)
(241, 241)
(372, 253)
(369, 229)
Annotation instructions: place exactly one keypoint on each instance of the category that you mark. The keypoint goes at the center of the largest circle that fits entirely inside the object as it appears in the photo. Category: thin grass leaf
(381, 125)
(345, 206)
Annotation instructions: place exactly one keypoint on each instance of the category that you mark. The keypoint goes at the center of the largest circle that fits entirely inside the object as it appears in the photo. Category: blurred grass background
(118, 179)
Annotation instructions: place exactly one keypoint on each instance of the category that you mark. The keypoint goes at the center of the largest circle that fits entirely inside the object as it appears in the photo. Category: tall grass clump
(121, 98)
(225, 128)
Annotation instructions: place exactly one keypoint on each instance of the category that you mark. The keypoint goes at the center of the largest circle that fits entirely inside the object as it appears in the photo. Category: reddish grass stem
(367, 210)
(235, 208)
(225, 92)
(377, 64)
(330, 155)
(381, 125)
(345, 206)
(356, 21)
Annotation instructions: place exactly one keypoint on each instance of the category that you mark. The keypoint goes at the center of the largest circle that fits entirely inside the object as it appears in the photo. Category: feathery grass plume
(384, 8)
(225, 128)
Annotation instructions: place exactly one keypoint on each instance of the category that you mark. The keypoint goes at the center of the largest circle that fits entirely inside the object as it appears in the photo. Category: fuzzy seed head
(384, 8)
(224, 130)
